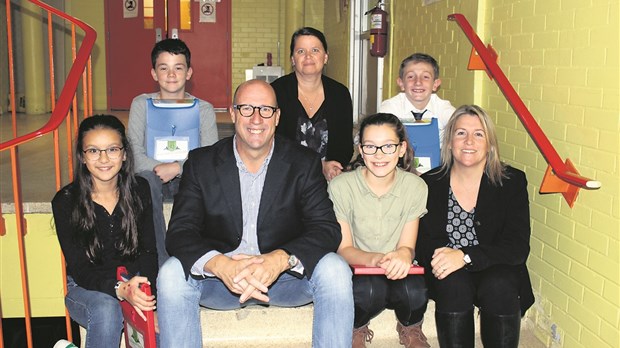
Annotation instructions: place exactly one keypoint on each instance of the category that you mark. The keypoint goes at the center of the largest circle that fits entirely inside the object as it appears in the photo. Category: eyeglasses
(387, 149)
(247, 110)
(94, 154)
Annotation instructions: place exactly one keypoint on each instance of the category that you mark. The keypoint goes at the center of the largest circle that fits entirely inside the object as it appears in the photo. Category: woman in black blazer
(474, 241)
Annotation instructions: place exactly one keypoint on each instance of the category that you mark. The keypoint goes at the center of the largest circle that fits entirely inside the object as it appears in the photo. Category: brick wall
(257, 27)
(417, 28)
(562, 58)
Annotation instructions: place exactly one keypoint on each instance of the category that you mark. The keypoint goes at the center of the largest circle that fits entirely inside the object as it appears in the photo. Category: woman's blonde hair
(494, 168)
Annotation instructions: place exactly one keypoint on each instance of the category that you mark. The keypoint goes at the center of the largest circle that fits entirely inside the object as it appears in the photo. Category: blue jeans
(329, 288)
(99, 313)
(159, 192)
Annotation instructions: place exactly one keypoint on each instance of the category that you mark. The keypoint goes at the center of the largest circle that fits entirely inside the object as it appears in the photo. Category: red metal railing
(60, 112)
(564, 171)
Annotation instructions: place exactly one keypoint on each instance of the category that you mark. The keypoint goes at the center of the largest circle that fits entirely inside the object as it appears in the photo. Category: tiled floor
(36, 158)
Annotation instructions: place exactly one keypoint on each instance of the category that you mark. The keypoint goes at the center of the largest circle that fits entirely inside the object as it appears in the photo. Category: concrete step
(274, 327)
(262, 327)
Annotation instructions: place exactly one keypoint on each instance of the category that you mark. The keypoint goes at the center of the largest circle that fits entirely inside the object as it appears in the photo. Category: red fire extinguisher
(378, 31)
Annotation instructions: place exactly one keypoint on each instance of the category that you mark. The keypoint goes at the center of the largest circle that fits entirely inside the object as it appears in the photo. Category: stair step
(262, 327)
(289, 327)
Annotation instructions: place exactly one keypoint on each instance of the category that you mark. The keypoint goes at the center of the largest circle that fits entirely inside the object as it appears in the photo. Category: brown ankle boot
(361, 336)
(412, 336)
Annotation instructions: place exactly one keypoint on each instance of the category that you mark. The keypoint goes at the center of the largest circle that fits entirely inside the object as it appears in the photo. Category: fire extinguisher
(378, 31)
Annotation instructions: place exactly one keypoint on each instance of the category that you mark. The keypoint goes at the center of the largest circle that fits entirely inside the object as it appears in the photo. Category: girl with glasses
(104, 219)
(378, 205)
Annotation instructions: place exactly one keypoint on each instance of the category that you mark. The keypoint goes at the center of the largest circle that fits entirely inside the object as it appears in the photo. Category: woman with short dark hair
(316, 111)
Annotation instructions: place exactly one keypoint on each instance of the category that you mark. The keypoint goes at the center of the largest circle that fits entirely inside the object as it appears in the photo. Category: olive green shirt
(377, 222)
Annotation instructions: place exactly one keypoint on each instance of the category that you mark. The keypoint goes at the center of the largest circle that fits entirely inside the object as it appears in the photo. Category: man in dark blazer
(253, 223)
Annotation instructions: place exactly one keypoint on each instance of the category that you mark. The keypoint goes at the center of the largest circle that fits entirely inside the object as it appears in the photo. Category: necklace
(308, 102)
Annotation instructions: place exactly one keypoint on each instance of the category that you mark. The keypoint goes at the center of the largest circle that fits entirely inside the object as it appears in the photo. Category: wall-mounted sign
(130, 8)
(207, 11)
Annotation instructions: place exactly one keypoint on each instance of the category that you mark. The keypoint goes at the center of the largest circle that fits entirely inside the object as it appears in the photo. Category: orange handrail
(60, 111)
(63, 103)
(564, 171)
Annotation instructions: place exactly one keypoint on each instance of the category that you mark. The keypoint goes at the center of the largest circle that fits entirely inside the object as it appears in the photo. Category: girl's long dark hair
(83, 214)
(405, 162)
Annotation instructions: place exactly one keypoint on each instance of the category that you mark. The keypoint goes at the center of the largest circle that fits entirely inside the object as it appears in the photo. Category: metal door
(133, 27)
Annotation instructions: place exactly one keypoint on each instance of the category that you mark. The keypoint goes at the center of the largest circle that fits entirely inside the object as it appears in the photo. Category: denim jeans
(159, 192)
(99, 313)
(329, 288)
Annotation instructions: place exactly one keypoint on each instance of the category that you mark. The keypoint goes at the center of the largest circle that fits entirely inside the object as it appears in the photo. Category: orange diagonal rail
(571, 181)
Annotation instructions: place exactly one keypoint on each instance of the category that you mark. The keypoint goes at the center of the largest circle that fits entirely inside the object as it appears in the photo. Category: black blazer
(295, 212)
(338, 113)
(502, 223)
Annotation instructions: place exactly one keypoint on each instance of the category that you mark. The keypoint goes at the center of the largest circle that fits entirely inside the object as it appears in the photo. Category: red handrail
(562, 170)
(60, 111)
(65, 99)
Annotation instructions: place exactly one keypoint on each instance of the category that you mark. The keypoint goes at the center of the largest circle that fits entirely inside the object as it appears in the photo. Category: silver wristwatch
(292, 261)
(467, 260)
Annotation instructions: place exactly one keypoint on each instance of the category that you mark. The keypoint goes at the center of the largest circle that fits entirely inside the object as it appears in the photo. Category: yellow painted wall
(92, 13)
(336, 22)
(562, 58)
(257, 27)
(44, 268)
(418, 28)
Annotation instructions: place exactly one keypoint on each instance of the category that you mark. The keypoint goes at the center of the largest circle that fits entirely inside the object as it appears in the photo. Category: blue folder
(166, 118)
(424, 138)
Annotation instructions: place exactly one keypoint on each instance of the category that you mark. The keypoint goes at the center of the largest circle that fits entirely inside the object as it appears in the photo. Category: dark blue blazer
(502, 223)
(295, 212)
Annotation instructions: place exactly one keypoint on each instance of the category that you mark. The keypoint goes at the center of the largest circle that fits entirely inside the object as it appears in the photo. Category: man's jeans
(159, 192)
(329, 288)
(99, 313)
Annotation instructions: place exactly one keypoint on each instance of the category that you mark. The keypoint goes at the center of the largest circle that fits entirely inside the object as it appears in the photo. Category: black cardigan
(502, 223)
(338, 113)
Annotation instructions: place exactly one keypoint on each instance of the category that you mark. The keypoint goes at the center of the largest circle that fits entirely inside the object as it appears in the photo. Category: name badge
(171, 149)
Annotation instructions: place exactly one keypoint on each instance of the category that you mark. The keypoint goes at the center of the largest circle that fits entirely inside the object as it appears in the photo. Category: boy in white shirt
(418, 79)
